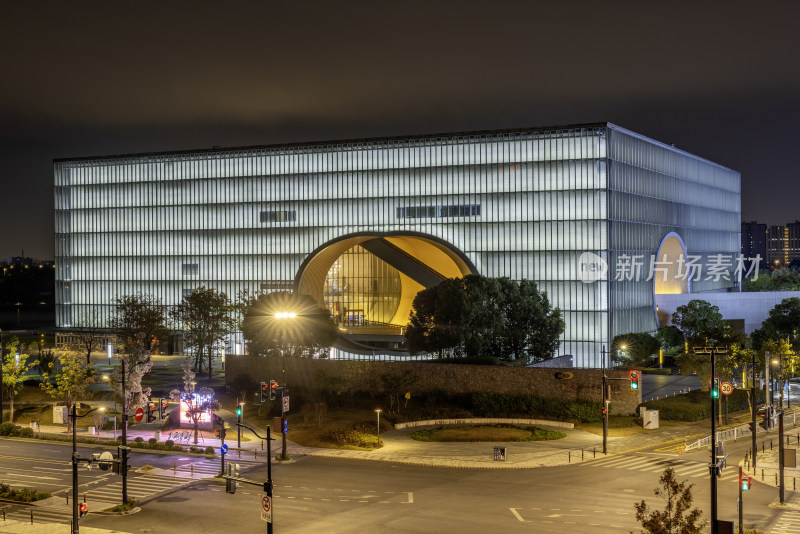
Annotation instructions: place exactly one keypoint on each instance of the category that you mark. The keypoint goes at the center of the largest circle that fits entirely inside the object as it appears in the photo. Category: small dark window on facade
(278, 216)
(424, 212)
(190, 269)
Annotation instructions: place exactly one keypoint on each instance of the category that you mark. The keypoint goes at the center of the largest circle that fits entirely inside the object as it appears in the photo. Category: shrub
(139, 439)
(152, 441)
(22, 495)
(26, 432)
(6, 428)
(488, 404)
(169, 443)
(210, 450)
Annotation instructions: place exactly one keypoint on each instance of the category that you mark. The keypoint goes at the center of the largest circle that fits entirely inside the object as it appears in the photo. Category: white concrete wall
(753, 307)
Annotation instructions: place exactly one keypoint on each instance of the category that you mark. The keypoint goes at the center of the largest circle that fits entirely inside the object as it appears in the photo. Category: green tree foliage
(479, 316)
(786, 279)
(308, 332)
(670, 337)
(783, 323)
(15, 370)
(139, 319)
(634, 349)
(198, 401)
(702, 325)
(207, 317)
(677, 517)
(87, 333)
(71, 382)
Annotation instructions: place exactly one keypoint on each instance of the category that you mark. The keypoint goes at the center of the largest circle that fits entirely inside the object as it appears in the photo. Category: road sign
(266, 508)
(224, 448)
(138, 415)
(726, 388)
(286, 403)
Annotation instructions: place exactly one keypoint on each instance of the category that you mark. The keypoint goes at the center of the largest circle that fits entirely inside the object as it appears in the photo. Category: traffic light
(232, 471)
(751, 426)
(163, 410)
(744, 482)
(239, 410)
(715, 388)
(273, 385)
(151, 409)
(263, 392)
(634, 376)
(83, 509)
(604, 412)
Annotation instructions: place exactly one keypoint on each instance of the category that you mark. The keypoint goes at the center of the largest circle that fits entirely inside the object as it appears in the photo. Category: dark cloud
(90, 78)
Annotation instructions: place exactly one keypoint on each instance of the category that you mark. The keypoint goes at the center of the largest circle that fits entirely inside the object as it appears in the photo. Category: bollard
(255, 453)
(594, 452)
(569, 457)
(4, 514)
(262, 446)
(794, 483)
(84, 496)
(192, 469)
(31, 516)
(776, 478)
(762, 446)
(762, 474)
(174, 467)
(239, 452)
(67, 497)
(770, 444)
(581, 454)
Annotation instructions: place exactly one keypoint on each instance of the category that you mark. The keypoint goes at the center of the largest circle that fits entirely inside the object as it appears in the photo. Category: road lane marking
(519, 517)
(410, 498)
(12, 475)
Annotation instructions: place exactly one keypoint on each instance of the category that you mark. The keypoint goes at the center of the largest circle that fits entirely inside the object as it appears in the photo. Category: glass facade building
(363, 225)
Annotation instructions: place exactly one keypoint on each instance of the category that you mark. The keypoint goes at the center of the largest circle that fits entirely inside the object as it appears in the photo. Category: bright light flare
(285, 315)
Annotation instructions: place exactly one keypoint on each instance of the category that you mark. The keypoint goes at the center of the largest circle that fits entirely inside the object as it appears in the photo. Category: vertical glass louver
(524, 204)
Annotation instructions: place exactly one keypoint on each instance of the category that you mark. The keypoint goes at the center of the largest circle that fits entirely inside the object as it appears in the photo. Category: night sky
(718, 79)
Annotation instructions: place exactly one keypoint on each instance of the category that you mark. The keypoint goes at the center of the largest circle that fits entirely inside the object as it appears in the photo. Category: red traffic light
(744, 482)
(274, 384)
(83, 509)
(605, 411)
(634, 375)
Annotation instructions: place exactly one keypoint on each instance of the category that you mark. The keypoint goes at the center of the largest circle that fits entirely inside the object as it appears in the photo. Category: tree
(310, 330)
(479, 316)
(396, 385)
(139, 318)
(783, 323)
(15, 369)
(137, 366)
(197, 401)
(207, 316)
(71, 382)
(634, 349)
(87, 333)
(677, 517)
(701, 323)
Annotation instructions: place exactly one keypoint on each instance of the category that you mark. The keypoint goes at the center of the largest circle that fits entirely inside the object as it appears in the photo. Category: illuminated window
(420, 212)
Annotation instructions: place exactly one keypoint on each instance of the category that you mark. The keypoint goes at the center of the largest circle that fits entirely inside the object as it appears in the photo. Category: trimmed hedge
(22, 495)
(489, 404)
(696, 405)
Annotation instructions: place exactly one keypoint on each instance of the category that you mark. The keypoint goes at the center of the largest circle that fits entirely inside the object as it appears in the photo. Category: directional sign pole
(221, 447)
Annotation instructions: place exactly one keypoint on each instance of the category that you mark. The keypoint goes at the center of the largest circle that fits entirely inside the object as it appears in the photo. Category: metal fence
(732, 434)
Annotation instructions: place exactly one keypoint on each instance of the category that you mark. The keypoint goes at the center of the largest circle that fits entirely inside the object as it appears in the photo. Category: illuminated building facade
(363, 225)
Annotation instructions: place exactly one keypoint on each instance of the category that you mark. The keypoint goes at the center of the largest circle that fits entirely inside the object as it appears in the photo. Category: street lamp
(283, 315)
(75, 460)
(378, 411)
(108, 379)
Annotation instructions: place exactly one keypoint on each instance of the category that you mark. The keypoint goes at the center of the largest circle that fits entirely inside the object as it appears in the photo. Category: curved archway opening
(369, 281)
(670, 277)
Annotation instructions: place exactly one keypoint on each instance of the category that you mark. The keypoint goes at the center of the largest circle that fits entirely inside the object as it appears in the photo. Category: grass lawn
(486, 433)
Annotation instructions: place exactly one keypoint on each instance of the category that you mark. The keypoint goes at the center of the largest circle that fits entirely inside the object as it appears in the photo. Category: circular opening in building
(368, 282)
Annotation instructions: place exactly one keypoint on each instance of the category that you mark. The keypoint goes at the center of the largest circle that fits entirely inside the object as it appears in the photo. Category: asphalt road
(345, 496)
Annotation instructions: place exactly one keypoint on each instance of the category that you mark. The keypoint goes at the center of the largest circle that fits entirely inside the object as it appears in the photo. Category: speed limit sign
(726, 388)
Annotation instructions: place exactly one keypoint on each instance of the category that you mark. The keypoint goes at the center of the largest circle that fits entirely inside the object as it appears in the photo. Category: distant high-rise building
(783, 244)
(754, 240)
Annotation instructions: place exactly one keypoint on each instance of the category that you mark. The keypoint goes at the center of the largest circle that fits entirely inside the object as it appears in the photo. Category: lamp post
(378, 411)
(605, 403)
(75, 459)
(123, 450)
(714, 466)
(108, 379)
(283, 315)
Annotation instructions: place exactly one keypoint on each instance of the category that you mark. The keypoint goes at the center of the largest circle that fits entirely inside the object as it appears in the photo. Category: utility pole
(123, 450)
(715, 463)
(741, 511)
(753, 409)
(605, 403)
(74, 472)
(780, 454)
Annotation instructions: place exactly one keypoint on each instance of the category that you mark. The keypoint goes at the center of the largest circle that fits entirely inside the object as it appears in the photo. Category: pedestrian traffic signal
(163, 410)
(83, 509)
(263, 392)
(715, 388)
(273, 385)
(744, 482)
(634, 376)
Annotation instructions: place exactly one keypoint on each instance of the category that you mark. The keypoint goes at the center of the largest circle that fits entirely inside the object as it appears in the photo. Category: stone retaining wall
(483, 421)
(584, 384)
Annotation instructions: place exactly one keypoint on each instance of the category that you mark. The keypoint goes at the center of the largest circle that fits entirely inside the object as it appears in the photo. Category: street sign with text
(286, 403)
(266, 508)
(726, 388)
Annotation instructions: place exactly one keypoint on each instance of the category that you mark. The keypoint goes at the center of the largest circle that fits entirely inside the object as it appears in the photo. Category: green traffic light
(715, 393)
(239, 411)
(634, 385)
